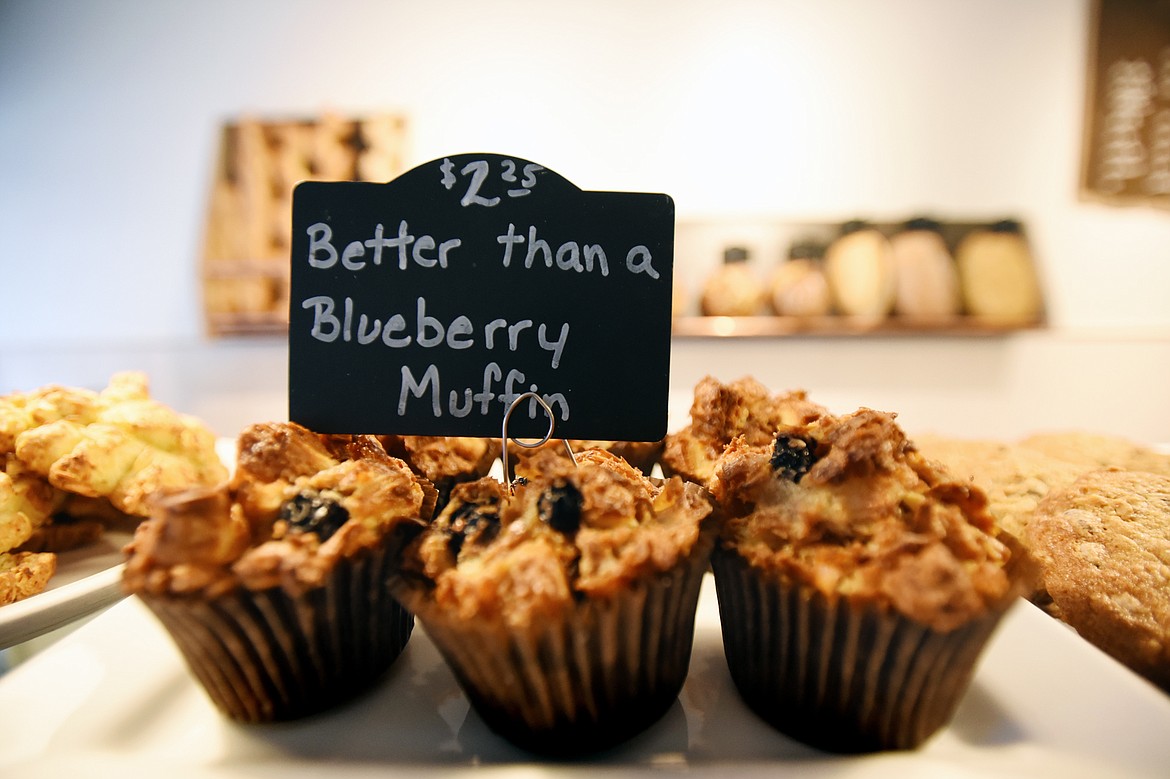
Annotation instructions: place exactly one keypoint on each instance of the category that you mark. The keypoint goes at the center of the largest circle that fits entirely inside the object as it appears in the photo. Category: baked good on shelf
(733, 289)
(444, 460)
(798, 286)
(857, 581)
(273, 585)
(565, 609)
(722, 411)
(1104, 543)
(859, 266)
(997, 275)
(927, 281)
(74, 462)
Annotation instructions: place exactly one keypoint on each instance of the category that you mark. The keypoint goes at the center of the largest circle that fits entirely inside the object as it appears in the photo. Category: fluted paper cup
(269, 655)
(604, 671)
(839, 676)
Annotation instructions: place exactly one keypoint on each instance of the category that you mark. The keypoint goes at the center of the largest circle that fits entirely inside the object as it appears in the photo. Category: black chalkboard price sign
(427, 305)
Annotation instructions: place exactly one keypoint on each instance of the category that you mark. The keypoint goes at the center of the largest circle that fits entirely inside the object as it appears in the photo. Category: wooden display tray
(247, 240)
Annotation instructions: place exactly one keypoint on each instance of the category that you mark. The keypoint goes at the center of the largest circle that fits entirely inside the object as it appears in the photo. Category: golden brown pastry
(643, 455)
(1014, 477)
(721, 412)
(1104, 543)
(444, 460)
(74, 461)
(273, 586)
(566, 610)
(121, 445)
(857, 580)
(23, 574)
(1098, 450)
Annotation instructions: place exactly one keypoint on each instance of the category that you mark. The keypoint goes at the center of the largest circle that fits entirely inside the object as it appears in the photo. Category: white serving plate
(86, 580)
(115, 699)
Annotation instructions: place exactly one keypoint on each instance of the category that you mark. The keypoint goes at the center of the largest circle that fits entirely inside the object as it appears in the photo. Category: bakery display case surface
(248, 230)
(115, 699)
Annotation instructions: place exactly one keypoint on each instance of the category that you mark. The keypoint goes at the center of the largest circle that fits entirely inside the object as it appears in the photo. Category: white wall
(782, 108)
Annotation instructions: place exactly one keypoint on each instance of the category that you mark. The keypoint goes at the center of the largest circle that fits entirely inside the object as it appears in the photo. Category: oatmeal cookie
(1104, 543)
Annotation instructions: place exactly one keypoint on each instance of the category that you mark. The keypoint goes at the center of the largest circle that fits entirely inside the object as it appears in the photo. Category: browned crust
(871, 521)
(1104, 542)
(630, 527)
(24, 573)
(722, 412)
(209, 540)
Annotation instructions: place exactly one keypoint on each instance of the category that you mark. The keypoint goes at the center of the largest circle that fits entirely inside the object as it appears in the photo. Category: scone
(721, 412)
(120, 445)
(1104, 543)
(565, 609)
(75, 462)
(857, 582)
(273, 586)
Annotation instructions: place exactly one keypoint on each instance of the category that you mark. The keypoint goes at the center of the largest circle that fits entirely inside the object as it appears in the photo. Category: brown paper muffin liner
(603, 672)
(838, 676)
(269, 656)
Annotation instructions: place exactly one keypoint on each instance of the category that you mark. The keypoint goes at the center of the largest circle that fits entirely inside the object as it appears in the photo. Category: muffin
(273, 585)
(721, 412)
(857, 582)
(565, 608)
(444, 461)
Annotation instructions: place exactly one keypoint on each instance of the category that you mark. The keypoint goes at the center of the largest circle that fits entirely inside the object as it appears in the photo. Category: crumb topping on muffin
(640, 454)
(568, 531)
(722, 412)
(297, 503)
(847, 505)
(443, 457)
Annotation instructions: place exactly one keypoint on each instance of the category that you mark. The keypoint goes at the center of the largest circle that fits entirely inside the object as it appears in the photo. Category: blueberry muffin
(857, 582)
(565, 608)
(273, 585)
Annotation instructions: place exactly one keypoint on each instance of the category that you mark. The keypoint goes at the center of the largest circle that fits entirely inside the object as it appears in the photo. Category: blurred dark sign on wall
(1126, 155)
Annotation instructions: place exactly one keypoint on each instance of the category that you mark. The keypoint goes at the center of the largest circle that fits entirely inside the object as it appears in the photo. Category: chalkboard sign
(426, 305)
(1126, 156)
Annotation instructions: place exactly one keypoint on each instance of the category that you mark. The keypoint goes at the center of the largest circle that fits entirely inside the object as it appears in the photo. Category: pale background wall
(783, 109)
